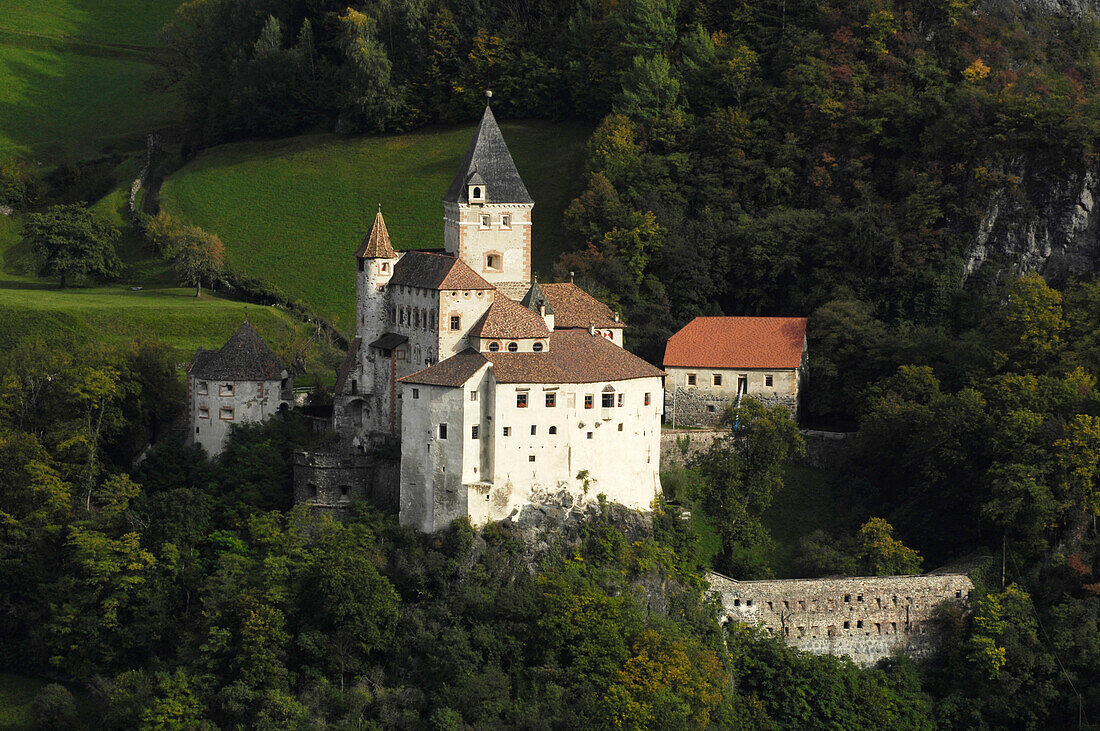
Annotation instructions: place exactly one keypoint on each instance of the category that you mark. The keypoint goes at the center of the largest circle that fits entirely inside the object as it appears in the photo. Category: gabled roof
(377, 245)
(389, 341)
(507, 318)
(574, 357)
(244, 357)
(454, 371)
(535, 298)
(488, 157)
(575, 308)
(738, 342)
(435, 271)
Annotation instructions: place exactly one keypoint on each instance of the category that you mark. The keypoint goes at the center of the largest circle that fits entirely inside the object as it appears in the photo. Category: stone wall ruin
(867, 618)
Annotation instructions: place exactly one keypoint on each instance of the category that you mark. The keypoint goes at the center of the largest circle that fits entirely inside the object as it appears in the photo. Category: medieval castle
(500, 392)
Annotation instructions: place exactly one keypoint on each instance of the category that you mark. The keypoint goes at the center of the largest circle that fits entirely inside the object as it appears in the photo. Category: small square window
(588, 401)
(588, 435)
(485, 222)
(226, 413)
(847, 625)
(859, 624)
(521, 401)
(507, 431)
(620, 427)
(551, 400)
(473, 395)
(768, 381)
(505, 221)
(710, 408)
(202, 390)
(456, 322)
(691, 379)
(717, 379)
(442, 431)
(226, 389)
(534, 430)
(647, 399)
(475, 432)
(204, 413)
(621, 400)
(416, 393)
(531, 458)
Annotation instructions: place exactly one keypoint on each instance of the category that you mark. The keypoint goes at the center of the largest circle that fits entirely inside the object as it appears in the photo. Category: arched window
(477, 192)
(513, 347)
(537, 347)
(494, 347)
(553, 430)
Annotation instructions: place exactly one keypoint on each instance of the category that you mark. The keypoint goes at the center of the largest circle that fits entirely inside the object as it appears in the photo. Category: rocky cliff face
(1052, 226)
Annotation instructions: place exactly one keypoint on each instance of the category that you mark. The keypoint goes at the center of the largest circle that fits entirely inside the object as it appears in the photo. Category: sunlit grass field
(294, 211)
(72, 76)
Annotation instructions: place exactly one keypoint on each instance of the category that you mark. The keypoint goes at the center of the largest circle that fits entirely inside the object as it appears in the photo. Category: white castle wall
(250, 401)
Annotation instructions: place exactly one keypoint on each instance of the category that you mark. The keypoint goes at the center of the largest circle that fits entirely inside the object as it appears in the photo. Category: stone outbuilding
(714, 361)
(244, 381)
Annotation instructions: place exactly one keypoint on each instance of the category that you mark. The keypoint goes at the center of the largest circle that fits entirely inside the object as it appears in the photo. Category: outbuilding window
(691, 379)
(717, 379)
(768, 381)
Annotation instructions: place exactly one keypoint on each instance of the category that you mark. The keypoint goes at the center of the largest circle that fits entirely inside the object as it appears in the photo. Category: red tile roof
(738, 342)
(574, 357)
(575, 308)
(507, 318)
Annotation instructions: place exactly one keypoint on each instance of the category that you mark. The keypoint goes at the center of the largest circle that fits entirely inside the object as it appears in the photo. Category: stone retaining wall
(867, 618)
(701, 407)
(824, 450)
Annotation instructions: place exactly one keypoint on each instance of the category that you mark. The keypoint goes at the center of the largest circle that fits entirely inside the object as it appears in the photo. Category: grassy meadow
(31, 307)
(294, 211)
(72, 75)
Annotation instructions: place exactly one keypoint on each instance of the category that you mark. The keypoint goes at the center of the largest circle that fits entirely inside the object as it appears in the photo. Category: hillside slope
(293, 211)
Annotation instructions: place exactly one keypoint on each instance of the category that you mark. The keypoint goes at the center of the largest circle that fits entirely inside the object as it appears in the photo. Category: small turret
(376, 259)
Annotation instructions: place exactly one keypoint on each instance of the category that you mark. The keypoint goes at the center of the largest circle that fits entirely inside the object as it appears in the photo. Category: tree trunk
(62, 281)
(198, 288)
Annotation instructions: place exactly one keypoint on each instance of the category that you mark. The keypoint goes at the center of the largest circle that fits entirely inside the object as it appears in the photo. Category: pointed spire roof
(535, 298)
(244, 357)
(488, 158)
(377, 244)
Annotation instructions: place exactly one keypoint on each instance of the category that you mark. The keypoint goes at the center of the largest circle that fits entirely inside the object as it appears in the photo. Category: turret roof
(377, 245)
(244, 357)
(488, 157)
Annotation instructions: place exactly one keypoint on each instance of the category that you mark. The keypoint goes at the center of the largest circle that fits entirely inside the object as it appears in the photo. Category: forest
(830, 159)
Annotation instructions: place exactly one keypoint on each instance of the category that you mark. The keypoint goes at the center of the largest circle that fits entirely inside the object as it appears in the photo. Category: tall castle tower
(487, 209)
(376, 259)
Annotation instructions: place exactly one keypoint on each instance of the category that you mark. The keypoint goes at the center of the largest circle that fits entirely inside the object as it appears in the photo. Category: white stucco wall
(495, 474)
(251, 401)
(469, 305)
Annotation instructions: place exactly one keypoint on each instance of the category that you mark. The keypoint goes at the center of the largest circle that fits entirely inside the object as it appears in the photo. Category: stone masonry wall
(867, 618)
(331, 482)
(824, 450)
(700, 407)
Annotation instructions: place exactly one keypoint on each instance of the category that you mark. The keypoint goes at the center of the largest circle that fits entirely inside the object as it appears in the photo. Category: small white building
(486, 432)
(713, 361)
(242, 382)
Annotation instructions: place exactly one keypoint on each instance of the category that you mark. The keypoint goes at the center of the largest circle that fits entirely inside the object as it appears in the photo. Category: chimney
(547, 316)
(570, 277)
(616, 317)
(591, 328)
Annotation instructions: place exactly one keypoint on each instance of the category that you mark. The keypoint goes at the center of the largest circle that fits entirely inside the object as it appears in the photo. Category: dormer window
(475, 194)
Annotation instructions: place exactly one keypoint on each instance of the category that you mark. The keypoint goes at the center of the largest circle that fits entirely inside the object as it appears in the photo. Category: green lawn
(65, 90)
(31, 307)
(294, 211)
(129, 22)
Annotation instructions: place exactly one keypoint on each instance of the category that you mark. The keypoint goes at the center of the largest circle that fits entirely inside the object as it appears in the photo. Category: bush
(54, 708)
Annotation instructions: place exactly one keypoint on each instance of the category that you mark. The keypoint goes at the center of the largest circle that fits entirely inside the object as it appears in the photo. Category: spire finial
(246, 314)
(488, 95)
(379, 206)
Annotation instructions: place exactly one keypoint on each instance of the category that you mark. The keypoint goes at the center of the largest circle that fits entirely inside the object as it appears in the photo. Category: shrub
(54, 708)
